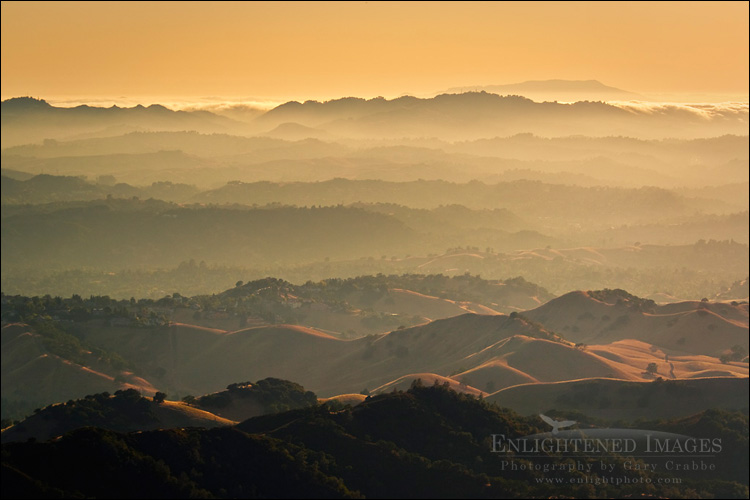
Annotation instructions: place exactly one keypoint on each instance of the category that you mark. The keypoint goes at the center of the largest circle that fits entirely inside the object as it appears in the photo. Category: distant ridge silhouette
(563, 90)
(25, 104)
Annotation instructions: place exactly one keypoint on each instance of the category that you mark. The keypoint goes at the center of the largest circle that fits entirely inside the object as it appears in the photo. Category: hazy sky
(285, 50)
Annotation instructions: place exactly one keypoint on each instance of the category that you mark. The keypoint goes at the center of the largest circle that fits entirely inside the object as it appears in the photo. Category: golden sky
(332, 49)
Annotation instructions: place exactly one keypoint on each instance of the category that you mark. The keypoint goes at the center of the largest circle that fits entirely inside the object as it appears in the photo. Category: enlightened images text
(501, 444)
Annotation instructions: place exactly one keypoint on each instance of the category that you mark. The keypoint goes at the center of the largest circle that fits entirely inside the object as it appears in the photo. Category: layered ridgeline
(457, 116)
(102, 344)
(210, 160)
(696, 154)
(661, 242)
(618, 209)
(352, 307)
(505, 216)
(516, 196)
(653, 271)
(427, 442)
(480, 114)
(26, 120)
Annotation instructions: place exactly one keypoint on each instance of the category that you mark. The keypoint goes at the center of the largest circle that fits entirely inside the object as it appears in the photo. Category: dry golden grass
(30, 372)
(179, 414)
(688, 327)
(485, 353)
(345, 399)
(635, 356)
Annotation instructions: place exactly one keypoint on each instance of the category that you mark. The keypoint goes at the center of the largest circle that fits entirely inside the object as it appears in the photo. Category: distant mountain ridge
(562, 90)
(473, 115)
(15, 106)
(449, 116)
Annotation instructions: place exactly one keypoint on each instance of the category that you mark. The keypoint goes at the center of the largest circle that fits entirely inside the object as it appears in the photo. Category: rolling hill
(478, 350)
(688, 327)
(198, 361)
(478, 353)
(57, 371)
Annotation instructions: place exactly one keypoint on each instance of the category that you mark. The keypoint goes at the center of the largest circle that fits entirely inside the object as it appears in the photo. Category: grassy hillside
(44, 364)
(688, 327)
(122, 344)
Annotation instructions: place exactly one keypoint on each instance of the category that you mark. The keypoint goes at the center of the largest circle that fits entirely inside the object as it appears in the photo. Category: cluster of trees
(275, 300)
(275, 395)
(125, 410)
(623, 298)
(75, 309)
(558, 276)
(737, 353)
(367, 289)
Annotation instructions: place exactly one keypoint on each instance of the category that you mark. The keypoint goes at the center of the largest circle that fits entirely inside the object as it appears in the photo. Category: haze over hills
(376, 218)
(475, 115)
(652, 205)
(248, 251)
(25, 120)
(658, 237)
(212, 160)
(465, 116)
